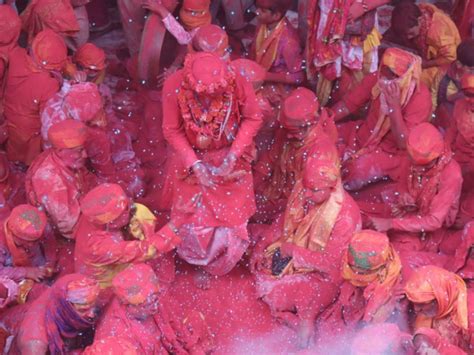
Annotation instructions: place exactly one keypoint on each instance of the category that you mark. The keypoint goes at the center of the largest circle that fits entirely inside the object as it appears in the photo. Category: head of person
(250, 71)
(300, 112)
(207, 74)
(427, 341)
(111, 345)
(10, 27)
(49, 51)
(212, 39)
(82, 294)
(195, 13)
(368, 252)
(464, 64)
(399, 65)
(107, 205)
(467, 87)
(84, 103)
(437, 293)
(406, 20)
(91, 60)
(272, 11)
(137, 289)
(425, 145)
(321, 174)
(68, 138)
(26, 224)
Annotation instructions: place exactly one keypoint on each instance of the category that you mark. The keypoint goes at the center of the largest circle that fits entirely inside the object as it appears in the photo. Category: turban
(432, 283)
(206, 72)
(300, 108)
(135, 284)
(111, 345)
(104, 203)
(467, 83)
(10, 26)
(211, 38)
(322, 169)
(82, 291)
(49, 50)
(368, 250)
(91, 57)
(379, 339)
(83, 102)
(250, 70)
(67, 134)
(55, 15)
(371, 251)
(425, 143)
(27, 222)
(399, 61)
(195, 13)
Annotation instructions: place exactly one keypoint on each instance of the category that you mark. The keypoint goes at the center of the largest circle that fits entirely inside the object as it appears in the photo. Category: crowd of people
(323, 150)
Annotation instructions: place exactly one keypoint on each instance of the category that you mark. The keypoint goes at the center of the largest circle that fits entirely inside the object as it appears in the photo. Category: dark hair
(405, 16)
(465, 52)
(279, 6)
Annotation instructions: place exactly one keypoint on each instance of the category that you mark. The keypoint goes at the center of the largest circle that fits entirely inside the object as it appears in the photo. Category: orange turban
(83, 102)
(371, 251)
(211, 38)
(425, 143)
(195, 13)
(55, 15)
(104, 203)
(300, 108)
(250, 70)
(206, 72)
(111, 345)
(83, 291)
(90, 56)
(135, 284)
(398, 60)
(49, 50)
(27, 222)
(467, 83)
(67, 134)
(432, 283)
(322, 168)
(10, 26)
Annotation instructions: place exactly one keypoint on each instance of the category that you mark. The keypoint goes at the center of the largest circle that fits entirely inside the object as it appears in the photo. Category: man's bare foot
(305, 333)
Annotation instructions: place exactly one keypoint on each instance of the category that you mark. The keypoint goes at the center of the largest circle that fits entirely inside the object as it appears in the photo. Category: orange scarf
(312, 230)
(266, 44)
(408, 68)
(19, 255)
(379, 285)
(431, 283)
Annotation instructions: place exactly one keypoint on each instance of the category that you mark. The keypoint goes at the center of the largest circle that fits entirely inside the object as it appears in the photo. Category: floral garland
(208, 123)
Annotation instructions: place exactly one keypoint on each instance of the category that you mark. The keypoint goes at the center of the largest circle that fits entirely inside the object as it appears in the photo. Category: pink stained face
(429, 309)
(146, 309)
(74, 158)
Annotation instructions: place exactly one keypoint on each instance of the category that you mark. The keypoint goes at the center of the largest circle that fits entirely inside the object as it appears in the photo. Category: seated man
(55, 322)
(210, 118)
(439, 299)
(447, 86)
(54, 15)
(26, 256)
(460, 136)
(428, 198)
(430, 31)
(56, 179)
(303, 124)
(30, 81)
(297, 265)
(101, 247)
(376, 147)
(137, 315)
